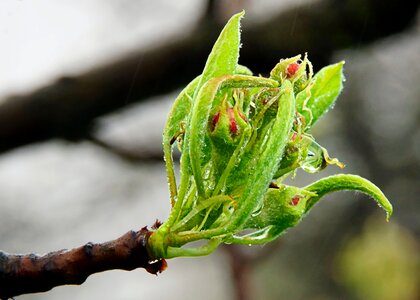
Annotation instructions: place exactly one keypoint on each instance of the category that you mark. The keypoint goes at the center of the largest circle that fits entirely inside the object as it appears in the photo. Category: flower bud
(283, 208)
(266, 103)
(227, 124)
(294, 154)
(291, 70)
(295, 70)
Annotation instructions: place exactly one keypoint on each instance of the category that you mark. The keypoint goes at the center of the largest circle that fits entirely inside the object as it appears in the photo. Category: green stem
(198, 251)
(203, 205)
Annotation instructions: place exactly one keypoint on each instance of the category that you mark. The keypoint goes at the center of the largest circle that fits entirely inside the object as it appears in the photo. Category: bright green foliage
(348, 182)
(324, 90)
(240, 136)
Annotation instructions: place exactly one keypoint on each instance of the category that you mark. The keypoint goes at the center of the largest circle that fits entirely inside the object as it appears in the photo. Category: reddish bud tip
(214, 121)
(295, 137)
(233, 126)
(291, 70)
(295, 200)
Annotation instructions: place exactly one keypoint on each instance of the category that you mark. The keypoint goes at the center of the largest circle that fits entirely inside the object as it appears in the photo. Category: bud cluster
(242, 135)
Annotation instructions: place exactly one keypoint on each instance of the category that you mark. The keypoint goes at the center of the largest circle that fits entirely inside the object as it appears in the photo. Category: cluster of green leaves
(240, 136)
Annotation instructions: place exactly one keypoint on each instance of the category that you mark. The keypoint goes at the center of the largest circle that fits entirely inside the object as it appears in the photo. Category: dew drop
(257, 210)
(314, 161)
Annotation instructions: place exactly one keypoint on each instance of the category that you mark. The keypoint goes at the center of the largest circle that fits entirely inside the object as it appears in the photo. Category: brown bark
(31, 273)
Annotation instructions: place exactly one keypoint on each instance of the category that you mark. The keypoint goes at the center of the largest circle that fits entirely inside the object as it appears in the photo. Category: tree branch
(22, 274)
(68, 107)
(242, 265)
(128, 155)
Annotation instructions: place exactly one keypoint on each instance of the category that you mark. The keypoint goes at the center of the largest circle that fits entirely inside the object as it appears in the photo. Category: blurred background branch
(68, 107)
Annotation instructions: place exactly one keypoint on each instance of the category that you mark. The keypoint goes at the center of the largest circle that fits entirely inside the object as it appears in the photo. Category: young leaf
(223, 59)
(176, 117)
(179, 111)
(269, 158)
(341, 182)
(242, 70)
(323, 91)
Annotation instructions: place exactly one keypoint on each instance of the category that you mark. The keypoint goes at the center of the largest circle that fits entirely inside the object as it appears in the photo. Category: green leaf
(268, 160)
(341, 182)
(179, 111)
(324, 89)
(223, 59)
(242, 70)
(176, 117)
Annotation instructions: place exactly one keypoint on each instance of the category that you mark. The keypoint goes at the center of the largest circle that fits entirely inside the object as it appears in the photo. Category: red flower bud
(215, 120)
(292, 69)
(233, 126)
(295, 200)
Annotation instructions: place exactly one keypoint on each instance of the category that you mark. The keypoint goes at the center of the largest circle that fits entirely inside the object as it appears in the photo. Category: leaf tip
(389, 211)
(238, 15)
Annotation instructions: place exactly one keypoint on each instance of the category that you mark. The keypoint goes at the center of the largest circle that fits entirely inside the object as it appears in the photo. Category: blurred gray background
(85, 87)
